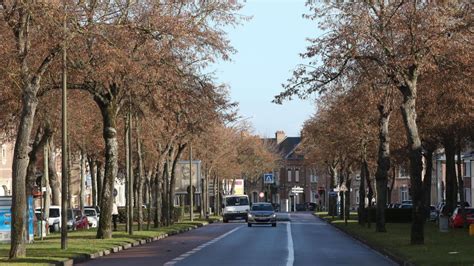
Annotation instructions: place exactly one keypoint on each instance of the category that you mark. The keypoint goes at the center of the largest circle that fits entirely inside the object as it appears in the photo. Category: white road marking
(291, 252)
(198, 248)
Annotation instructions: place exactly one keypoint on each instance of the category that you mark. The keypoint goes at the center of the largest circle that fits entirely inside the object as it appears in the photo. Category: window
(314, 179)
(357, 196)
(404, 195)
(236, 201)
(297, 175)
(357, 177)
(404, 173)
(289, 174)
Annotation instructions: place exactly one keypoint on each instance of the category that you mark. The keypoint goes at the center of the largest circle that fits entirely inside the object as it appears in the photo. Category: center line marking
(291, 252)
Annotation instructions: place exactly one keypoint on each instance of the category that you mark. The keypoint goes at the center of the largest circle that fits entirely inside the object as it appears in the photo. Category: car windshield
(53, 213)
(89, 212)
(237, 201)
(69, 214)
(262, 207)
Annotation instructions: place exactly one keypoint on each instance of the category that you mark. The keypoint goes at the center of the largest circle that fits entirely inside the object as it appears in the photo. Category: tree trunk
(392, 184)
(47, 196)
(362, 211)
(370, 196)
(100, 182)
(19, 171)
(383, 166)
(176, 157)
(53, 176)
(427, 180)
(218, 195)
(148, 197)
(451, 193)
(83, 181)
(93, 179)
(41, 137)
(140, 177)
(111, 168)
(416, 162)
(165, 197)
(158, 194)
(462, 197)
(347, 202)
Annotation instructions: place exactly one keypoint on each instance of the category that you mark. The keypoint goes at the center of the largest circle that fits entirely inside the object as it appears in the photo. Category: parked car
(300, 207)
(81, 220)
(261, 213)
(433, 213)
(71, 220)
(439, 206)
(54, 219)
(37, 223)
(92, 216)
(96, 208)
(310, 206)
(406, 206)
(456, 220)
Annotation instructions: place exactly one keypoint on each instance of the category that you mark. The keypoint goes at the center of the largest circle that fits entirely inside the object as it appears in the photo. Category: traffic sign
(297, 190)
(268, 179)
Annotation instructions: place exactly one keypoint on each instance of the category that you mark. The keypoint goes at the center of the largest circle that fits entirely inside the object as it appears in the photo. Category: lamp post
(64, 146)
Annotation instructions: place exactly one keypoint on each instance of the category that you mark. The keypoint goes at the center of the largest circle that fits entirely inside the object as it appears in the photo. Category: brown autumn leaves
(147, 58)
(396, 80)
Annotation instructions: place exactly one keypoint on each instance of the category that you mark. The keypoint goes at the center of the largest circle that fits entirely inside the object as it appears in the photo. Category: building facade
(6, 160)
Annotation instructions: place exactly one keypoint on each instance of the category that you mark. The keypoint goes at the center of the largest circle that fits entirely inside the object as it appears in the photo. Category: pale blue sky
(268, 46)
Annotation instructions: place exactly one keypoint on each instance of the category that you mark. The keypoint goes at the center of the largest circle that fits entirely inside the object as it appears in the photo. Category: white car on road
(92, 217)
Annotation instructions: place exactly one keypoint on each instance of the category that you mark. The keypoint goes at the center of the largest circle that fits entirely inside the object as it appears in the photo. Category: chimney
(280, 136)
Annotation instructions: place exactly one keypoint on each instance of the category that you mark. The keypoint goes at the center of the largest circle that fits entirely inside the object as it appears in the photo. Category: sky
(268, 48)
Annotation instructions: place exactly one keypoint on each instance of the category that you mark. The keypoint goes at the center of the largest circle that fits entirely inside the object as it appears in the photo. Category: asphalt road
(306, 240)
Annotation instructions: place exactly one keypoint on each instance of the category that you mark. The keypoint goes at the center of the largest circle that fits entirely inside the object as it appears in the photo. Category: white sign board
(296, 190)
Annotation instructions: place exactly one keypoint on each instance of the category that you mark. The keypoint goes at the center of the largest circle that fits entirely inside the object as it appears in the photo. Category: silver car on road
(262, 213)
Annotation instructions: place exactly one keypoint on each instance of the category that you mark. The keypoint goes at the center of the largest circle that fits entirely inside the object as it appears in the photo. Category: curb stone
(105, 252)
(385, 252)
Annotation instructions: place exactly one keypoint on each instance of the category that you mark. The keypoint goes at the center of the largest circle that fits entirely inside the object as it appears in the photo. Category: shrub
(123, 214)
(393, 215)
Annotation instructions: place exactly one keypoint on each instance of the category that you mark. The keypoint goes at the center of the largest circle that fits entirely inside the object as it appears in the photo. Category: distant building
(292, 173)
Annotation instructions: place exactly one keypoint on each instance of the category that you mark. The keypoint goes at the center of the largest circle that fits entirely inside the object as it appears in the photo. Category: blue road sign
(268, 179)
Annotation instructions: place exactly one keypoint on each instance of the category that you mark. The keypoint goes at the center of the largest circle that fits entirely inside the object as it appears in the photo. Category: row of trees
(396, 79)
(138, 98)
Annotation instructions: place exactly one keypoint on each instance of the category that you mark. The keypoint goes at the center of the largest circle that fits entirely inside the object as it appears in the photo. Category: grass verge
(452, 248)
(48, 251)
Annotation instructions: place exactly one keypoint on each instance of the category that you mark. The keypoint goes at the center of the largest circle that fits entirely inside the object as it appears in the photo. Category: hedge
(393, 215)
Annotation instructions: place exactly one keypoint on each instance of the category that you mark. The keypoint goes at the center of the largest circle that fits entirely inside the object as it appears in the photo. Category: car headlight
(274, 215)
(250, 215)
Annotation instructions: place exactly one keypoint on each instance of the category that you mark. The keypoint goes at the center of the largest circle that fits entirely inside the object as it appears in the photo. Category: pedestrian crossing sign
(268, 179)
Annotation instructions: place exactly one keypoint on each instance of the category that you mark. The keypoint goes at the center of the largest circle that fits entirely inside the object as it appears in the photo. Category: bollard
(443, 223)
